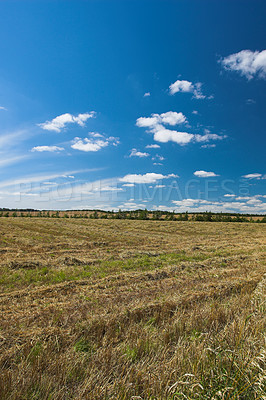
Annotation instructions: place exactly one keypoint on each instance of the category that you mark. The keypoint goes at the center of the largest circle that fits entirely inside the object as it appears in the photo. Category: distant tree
(199, 217)
(171, 216)
(186, 216)
(143, 214)
(208, 216)
(156, 215)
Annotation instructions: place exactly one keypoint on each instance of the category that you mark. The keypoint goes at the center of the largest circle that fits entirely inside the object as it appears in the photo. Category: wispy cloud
(8, 140)
(3, 108)
(57, 124)
(204, 174)
(47, 148)
(247, 63)
(149, 177)
(152, 146)
(208, 146)
(94, 188)
(11, 160)
(147, 94)
(128, 184)
(94, 143)
(253, 176)
(250, 101)
(135, 153)
(158, 157)
(9, 145)
(38, 178)
(209, 136)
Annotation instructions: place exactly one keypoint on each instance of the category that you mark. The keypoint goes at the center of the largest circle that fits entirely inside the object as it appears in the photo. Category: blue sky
(133, 104)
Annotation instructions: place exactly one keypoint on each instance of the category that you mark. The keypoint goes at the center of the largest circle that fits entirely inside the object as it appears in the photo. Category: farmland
(124, 309)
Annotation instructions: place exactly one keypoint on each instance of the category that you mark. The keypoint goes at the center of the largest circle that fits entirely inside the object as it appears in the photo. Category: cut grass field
(122, 309)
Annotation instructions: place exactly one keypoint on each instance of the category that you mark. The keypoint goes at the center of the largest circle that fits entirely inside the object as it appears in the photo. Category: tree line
(136, 215)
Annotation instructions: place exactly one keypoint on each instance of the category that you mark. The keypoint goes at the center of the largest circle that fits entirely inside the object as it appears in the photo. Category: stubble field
(106, 309)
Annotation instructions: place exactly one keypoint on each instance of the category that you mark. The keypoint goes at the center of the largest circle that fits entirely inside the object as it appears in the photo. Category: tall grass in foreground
(181, 348)
(120, 310)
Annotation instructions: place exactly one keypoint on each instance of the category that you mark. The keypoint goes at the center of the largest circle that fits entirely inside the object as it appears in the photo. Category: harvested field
(106, 309)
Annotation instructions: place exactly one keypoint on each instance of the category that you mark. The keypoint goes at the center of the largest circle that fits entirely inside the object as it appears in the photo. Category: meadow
(131, 309)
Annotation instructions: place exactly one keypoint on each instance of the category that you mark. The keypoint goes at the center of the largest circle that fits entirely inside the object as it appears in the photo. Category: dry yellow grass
(106, 309)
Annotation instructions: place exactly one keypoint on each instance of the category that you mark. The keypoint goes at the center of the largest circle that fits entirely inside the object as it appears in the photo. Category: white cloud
(3, 108)
(181, 86)
(131, 206)
(251, 199)
(135, 153)
(201, 205)
(128, 184)
(252, 176)
(163, 135)
(152, 146)
(204, 174)
(147, 94)
(248, 63)
(149, 177)
(170, 118)
(195, 112)
(47, 148)
(187, 87)
(60, 122)
(93, 144)
(159, 186)
(148, 122)
(155, 124)
(254, 201)
(96, 134)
